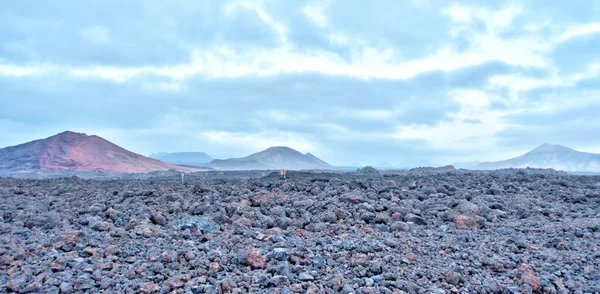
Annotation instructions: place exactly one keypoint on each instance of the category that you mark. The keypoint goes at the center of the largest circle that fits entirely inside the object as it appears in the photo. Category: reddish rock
(15, 285)
(189, 255)
(58, 265)
(244, 203)
(224, 286)
(113, 214)
(88, 251)
(32, 287)
(7, 259)
(174, 284)
(213, 267)
(112, 250)
(253, 258)
(184, 278)
(148, 287)
(242, 222)
(528, 277)
(69, 238)
(359, 259)
(166, 257)
(261, 197)
(353, 198)
(107, 266)
(465, 222)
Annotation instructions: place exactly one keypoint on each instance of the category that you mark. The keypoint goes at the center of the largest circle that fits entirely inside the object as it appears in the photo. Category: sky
(354, 82)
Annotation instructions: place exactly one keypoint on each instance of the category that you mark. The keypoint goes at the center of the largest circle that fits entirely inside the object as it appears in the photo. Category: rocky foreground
(413, 232)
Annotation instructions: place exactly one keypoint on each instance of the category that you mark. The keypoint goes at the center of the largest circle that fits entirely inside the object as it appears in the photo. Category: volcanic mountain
(550, 156)
(69, 151)
(185, 158)
(272, 158)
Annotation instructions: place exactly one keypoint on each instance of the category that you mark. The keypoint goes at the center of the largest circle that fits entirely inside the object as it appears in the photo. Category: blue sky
(354, 82)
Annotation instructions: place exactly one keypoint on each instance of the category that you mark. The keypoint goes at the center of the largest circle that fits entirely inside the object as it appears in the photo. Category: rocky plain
(419, 231)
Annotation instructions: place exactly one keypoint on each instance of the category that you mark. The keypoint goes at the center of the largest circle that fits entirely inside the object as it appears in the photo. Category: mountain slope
(187, 158)
(316, 159)
(70, 151)
(550, 156)
(272, 158)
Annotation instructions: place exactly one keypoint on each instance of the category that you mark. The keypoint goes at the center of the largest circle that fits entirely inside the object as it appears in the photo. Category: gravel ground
(423, 231)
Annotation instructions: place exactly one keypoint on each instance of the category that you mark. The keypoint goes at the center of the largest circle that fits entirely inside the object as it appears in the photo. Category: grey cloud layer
(356, 117)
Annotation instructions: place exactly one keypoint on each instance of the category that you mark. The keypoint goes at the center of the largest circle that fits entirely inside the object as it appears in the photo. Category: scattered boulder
(252, 257)
(369, 171)
(465, 222)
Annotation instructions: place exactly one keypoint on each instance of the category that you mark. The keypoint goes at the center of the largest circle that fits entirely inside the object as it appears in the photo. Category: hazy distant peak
(546, 148)
(550, 156)
(279, 149)
(272, 158)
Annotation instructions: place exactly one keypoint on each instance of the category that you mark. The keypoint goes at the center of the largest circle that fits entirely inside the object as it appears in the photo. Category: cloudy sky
(352, 81)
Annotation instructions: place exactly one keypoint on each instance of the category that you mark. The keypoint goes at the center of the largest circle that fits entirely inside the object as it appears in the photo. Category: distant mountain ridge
(184, 158)
(272, 158)
(550, 156)
(70, 151)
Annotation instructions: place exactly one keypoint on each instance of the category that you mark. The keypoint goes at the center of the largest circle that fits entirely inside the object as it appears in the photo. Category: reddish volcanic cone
(78, 152)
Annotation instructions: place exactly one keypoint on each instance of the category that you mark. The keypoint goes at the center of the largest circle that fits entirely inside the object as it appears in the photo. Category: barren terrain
(406, 232)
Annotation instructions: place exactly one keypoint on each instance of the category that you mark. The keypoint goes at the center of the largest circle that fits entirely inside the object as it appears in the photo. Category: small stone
(32, 287)
(189, 255)
(7, 260)
(148, 287)
(278, 280)
(113, 214)
(416, 220)
(283, 222)
(174, 284)
(279, 254)
(112, 250)
(100, 226)
(16, 284)
(213, 267)
(158, 219)
(529, 278)
(453, 278)
(347, 289)
(305, 277)
(66, 288)
(252, 257)
(107, 266)
(296, 288)
(399, 227)
(465, 222)
(58, 265)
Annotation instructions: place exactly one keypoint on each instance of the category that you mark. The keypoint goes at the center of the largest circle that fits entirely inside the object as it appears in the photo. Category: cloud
(351, 81)
(578, 51)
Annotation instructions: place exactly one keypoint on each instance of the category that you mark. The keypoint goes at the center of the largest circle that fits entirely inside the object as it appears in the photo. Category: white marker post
(182, 174)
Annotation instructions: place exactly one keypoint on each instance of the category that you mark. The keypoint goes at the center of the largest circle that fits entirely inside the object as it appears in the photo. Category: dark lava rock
(369, 171)
(421, 231)
(158, 218)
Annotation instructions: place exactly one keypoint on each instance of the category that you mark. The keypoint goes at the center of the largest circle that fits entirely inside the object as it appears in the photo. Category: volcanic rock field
(423, 231)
